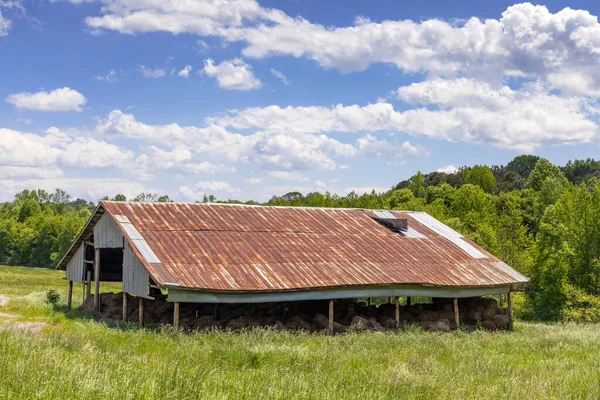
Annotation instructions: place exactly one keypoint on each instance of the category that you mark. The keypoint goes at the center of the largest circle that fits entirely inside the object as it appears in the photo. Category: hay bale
(501, 321)
(298, 323)
(488, 325)
(321, 321)
(442, 325)
(360, 323)
(428, 316)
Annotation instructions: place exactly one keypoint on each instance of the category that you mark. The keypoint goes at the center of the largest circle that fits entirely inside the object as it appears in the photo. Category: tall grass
(78, 358)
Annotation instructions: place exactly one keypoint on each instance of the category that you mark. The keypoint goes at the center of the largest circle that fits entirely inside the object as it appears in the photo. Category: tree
(543, 169)
(417, 184)
(523, 165)
(481, 176)
(28, 209)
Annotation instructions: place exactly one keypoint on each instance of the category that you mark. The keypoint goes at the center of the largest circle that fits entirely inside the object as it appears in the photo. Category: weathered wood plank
(330, 325)
(176, 316)
(141, 312)
(70, 295)
(456, 318)
(97, 280)
(124, 307)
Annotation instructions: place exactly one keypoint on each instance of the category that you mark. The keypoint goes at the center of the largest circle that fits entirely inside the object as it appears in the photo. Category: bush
(581, 306)
(52, 297)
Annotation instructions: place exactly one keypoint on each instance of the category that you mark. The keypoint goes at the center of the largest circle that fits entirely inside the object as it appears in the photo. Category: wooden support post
(88, 284)
(70, 295)
(390, 300)
(408, 301)
(397, 314)
(510, 311)
(369, 301)
(124, 307)
(286, 309)
(456, 319)
(141, 313)
(217, 312)
(330, 325)
(176, 316)
(97, 280)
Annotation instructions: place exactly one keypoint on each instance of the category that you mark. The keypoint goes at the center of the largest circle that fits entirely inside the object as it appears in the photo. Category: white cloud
(5, 25)
(343, 166)
(64, 99)
(232, 74)
(270, 150)
(526, 40)
(479, 112)
(111, 77)
(280, 76)
(253, 181)
(457, 110)
(288, 176)
(197, 191)
(91, 153)
(321, 184)
(185, 72)
(448, 169)
(12, 172)
(89, 188)
(151, 73)
(59, 149)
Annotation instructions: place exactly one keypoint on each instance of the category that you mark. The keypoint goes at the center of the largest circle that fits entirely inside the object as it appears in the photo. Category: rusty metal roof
(256, 248)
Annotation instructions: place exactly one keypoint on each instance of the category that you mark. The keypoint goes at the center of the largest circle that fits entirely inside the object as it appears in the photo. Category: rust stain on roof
(256, 248)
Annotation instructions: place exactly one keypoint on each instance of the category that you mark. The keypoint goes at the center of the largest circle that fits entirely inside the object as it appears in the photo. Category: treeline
(541, 219)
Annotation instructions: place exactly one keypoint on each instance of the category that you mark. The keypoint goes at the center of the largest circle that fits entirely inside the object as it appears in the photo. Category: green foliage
(580, 306)
(52, 297)
(482, 176)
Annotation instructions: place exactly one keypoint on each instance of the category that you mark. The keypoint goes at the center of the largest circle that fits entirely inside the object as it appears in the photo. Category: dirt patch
(306, 315)
(23, 326)
(4, 300)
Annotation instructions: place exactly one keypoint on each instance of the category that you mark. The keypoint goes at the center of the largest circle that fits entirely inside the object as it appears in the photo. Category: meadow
(75, 357)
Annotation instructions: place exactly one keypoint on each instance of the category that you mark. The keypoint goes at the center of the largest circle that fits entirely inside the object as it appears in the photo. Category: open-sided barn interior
(235, 261)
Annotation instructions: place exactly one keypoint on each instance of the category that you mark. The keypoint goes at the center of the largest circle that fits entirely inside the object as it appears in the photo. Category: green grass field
(74, 357)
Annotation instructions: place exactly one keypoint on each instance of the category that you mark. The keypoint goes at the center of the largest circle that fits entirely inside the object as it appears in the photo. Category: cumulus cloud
(13, 172)
(253, 181)
(64, 99)
(289, 176)
(87, 188)
(479, 112)
(57, 148)
(525, 40)
(151, 73)
(197, 191)
(185, 72)
(455, 110)
(448, 169)
(270, 150)
(280, 76)
(232, 74)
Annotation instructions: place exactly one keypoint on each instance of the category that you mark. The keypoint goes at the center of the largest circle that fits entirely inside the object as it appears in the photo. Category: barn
(221, 253)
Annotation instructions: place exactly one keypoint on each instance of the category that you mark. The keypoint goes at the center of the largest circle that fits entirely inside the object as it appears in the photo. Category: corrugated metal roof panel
(384, 214)
(253, 248)
(413, 234)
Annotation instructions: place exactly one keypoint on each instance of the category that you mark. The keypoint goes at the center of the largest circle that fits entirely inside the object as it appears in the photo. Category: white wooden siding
(107, 234)
(75, 265)
(135, 275)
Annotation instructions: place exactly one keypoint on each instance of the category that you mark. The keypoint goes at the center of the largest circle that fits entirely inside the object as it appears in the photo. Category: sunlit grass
(79, 358)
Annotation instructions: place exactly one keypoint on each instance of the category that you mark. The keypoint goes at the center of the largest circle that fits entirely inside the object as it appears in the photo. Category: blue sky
(246, 99)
